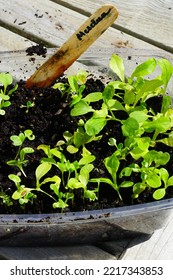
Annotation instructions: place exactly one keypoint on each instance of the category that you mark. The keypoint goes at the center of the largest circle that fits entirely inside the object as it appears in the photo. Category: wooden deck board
(151, 21)
(52, 24)
(10, 41)
(158, 247)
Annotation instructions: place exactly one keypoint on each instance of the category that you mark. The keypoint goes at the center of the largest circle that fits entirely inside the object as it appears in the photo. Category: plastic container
(80, 227)
(83, 227)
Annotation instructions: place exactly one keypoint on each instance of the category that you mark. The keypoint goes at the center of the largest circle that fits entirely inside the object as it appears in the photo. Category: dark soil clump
(37, 49)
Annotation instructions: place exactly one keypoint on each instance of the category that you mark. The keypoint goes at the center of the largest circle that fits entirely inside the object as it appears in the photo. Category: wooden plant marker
(78, 43)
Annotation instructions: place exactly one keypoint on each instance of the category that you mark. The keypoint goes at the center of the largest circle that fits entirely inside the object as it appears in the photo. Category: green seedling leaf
(140, 148)
(93, 97)
(164, 175)
(13, 89)
(161, 124)
(127, 171)
(139, 116)
(167, 141)
(2, 112)
(63, 87)
(143, 143)
(148, 89)
(159, 158)
(60, 204)
(67, 136)
(24, 151)
(55, 179)
(87, 157)
(6, 104)
(170, 181)
(129, 97)
(45, 149)
(145, 68)
(42, 170)
(150, 86)
(16, 179)
(126, 184)
(29, 134)
(159, 194)
(130, 126)
(112, 142)
(166, 102)
(4, 97)
(82, 76)
(115, 105)
(6, 80)
(138, 188)
(73, 83)
(153, 180)
(94, 125)
(73, 183)
(108, 93)
(112, 165)
(81, 108)
(72, 149)
(17, 140)
(84, 173)
(90, 195)
(81, 137)
(117, 65)
(102, 113)
(167, 71)
(20, 193)
(169, 113)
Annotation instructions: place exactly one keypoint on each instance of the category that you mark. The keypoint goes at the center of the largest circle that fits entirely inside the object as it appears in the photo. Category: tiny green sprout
(117, 65)
(6, 199)
(5, 80)
(82, 76)
(19, 139)
(28, 105)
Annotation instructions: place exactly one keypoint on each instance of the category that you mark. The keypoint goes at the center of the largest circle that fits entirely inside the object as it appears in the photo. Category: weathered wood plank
(10, 41)
(158, 247)
(52, 23)
(149, 20)
(85, 252)
(22, 66)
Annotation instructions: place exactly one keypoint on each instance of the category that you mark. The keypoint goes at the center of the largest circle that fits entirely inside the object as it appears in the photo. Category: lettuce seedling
(28, 105)
(5, 80)
(22, 194)
(18, 140)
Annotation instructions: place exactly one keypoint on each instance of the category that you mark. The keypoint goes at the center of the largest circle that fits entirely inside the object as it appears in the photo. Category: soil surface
(48, 119)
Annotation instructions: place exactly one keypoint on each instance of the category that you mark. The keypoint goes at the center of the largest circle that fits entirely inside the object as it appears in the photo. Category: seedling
(22, 194)
(28, 105)
(18, 140)
(6, 199)
(5, 80)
